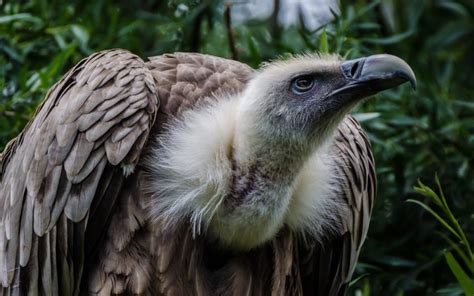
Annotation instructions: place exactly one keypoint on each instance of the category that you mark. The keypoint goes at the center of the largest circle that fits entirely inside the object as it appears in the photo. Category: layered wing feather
(328, 267)
(356, 168)
(357, 172)
(185, 79)
(93, 121)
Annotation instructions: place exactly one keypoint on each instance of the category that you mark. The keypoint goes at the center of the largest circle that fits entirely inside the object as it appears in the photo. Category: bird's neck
(264, 161)
(223, 173)
(260, 190)
(263, 166)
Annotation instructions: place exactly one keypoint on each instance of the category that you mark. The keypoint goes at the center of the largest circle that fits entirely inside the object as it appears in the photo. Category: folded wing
(87, 133)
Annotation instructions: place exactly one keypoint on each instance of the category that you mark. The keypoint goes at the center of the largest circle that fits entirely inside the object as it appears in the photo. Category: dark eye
(302, 84)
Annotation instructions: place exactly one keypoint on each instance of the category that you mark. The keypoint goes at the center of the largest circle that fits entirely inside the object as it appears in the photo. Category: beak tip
(411, 78)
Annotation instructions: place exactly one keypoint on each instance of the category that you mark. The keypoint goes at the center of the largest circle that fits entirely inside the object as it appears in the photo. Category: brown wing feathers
(356, 168)
(97, 116)
(183, 79)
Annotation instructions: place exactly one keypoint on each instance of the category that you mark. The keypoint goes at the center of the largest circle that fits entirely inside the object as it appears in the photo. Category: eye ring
(302, 84)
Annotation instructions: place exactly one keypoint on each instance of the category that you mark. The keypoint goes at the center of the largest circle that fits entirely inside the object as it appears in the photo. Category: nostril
(354, 68)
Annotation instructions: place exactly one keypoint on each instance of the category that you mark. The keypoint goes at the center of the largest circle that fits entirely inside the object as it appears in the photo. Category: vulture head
(240, 169)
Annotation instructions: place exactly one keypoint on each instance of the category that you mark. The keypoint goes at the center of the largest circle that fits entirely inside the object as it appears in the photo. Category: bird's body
(181, 176)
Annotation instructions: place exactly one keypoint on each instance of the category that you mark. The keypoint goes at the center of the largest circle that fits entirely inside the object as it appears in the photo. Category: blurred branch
(196, 32)
(230, 32)
(275, 26)
(196, 24)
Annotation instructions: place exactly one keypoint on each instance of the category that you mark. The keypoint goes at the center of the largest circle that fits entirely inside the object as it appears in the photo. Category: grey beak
(367, 76)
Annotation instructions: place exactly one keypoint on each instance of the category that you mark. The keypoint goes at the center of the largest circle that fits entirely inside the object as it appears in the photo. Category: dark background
(414, 134)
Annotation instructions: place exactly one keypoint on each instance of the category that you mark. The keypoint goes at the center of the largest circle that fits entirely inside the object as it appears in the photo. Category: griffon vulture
(191, 174)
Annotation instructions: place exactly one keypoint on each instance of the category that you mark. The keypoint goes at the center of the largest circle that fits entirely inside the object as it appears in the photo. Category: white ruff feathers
(190, 167)
(191, 175)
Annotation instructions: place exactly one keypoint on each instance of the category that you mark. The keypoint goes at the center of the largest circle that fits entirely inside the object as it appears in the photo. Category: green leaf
(357, 279)
(428, 192)
(323, 42)
(400, 293)
(463, 279)
(26, 17)
(466, 104)
(361, 117)
(12, 53)
(450, 290)
(394, 261)
(438, 217)
(397, 38)
(82, 34)
(404, 120)
(459, 251)
(456, 8)
(253, 47)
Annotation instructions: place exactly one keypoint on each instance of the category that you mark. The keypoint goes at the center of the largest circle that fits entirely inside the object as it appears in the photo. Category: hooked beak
(367, 76)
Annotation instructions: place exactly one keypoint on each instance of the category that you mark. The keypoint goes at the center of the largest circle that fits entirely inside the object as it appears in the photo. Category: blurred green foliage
(414, 134)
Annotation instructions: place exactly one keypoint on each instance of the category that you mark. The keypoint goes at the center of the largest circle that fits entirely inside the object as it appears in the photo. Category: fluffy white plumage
(190, 166)
(191, 175)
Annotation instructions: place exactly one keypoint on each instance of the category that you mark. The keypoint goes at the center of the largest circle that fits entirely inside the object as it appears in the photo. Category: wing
(357, 171)
(329, 267)
(89, 130)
